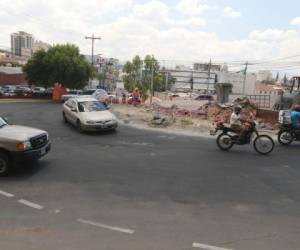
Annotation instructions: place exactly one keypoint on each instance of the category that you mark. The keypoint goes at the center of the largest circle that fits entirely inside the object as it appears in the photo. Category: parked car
(101, 95)
(70, 94)
(88, 114)
(19, 144)
(38, 90)
(8, 90)
(22, 91)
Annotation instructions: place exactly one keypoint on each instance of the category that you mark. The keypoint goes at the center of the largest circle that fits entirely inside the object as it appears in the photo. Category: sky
(189, 30)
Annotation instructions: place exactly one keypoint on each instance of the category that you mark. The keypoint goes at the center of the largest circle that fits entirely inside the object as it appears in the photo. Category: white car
(88, 114)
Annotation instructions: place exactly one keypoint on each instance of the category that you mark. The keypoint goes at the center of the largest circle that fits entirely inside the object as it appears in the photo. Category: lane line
(6, 194)
(31, 204)
(118, 229)
(208, 247)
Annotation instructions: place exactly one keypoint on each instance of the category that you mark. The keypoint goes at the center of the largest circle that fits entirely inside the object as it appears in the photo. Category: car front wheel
(5, 164)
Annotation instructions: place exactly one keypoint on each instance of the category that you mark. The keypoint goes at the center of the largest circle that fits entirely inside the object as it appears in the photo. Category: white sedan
(88, 114)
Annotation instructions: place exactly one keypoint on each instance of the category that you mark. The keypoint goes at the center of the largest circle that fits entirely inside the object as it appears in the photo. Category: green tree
(62, 64)
(138, 73)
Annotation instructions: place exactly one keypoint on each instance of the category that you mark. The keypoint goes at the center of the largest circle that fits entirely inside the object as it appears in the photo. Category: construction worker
(136, 95)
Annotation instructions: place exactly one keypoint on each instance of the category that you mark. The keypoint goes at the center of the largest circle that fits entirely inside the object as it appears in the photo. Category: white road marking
(208, 247)
(118, 229)
(31, 204)
(6, 194)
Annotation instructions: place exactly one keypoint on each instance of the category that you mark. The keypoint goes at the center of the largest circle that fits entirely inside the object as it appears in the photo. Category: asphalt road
(137, 190)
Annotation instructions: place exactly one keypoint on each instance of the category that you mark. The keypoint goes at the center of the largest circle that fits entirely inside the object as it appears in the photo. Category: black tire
(78, 126)
(5, 164)
(281, 139)
(64, 117)
(224, 142)
(257, 144)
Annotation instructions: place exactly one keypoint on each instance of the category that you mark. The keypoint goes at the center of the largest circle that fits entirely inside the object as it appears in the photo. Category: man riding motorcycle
(236, 124)
(295, 117)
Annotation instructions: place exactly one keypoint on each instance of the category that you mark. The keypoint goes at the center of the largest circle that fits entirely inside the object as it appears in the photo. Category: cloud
(128, 29)
(192, 7)
(273, 34)
(230, 12)
(295, 21)
(192, 23)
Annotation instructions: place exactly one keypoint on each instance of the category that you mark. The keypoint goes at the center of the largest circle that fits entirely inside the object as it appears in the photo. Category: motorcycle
(287, 134)
(263, 144)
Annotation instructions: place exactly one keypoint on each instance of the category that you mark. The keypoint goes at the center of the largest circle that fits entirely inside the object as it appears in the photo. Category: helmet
(296, 108)
(237, 109)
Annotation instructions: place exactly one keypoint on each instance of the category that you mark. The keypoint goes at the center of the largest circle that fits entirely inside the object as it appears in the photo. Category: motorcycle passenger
(295, 117)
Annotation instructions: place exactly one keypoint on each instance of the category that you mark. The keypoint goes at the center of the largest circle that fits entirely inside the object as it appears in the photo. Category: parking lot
(136, 189)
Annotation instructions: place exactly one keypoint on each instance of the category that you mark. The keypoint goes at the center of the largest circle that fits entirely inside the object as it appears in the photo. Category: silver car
(88, 114)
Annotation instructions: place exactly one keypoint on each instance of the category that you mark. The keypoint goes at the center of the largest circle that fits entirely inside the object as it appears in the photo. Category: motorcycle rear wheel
(285, 138)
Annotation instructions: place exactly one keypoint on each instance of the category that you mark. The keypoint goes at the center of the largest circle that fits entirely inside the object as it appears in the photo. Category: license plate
(43, 151)
(104, 126)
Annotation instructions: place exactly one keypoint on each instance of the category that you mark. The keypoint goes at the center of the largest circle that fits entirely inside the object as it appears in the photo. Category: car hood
(19, 133)
(98, 116)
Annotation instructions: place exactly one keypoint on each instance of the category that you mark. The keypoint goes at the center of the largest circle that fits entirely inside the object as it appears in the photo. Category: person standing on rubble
(136, 95)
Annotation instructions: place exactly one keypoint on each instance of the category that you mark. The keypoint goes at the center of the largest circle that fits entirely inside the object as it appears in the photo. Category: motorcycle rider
(295, 117)
(236, 123)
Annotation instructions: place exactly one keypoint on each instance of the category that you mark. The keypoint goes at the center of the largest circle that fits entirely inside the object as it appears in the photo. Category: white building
(20, 40)
(237, 80)
(264, 75)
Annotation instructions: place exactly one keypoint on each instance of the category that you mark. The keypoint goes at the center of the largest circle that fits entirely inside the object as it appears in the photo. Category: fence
(262, 101)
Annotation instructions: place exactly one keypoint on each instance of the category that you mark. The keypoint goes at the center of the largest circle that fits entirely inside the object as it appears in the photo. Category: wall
(12, 79)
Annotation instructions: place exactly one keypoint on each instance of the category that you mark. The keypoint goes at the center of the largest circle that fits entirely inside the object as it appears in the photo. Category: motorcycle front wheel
(224, 142)
(263, 144)
(285, 138)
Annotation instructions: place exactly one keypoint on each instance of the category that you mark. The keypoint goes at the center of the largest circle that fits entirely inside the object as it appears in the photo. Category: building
(264, 76)
(237, 80)
(39, 45)
(19, 41)
(11, 76)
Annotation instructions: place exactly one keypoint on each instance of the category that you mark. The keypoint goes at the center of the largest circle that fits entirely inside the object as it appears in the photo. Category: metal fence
(262, 101)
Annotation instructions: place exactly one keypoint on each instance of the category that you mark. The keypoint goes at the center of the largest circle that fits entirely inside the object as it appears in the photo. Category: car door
(68, 110)
(73, 112)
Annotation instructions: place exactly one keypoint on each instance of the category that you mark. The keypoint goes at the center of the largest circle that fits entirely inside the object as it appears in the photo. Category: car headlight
(23, 146)
(90, 122)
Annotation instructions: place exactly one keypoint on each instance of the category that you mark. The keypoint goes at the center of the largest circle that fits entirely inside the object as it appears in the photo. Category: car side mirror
(74, 110)
(6, 120)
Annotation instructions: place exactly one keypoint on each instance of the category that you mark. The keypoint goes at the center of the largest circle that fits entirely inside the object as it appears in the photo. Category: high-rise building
(19, 41)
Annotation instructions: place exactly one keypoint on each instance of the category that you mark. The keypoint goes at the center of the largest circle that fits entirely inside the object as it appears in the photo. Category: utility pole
(245, 77)
(93, 38)
(152, 80)
(192, 81)
(208, 76)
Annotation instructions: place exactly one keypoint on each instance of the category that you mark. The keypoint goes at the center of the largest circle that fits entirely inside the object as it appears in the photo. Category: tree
(62, 64)
(138, 73)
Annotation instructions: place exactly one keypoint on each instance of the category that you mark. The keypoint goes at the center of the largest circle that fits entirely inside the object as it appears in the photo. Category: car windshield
(2, 122)
(91, 106)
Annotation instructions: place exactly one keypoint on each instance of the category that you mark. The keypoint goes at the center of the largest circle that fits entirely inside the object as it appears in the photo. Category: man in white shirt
(235, 120)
